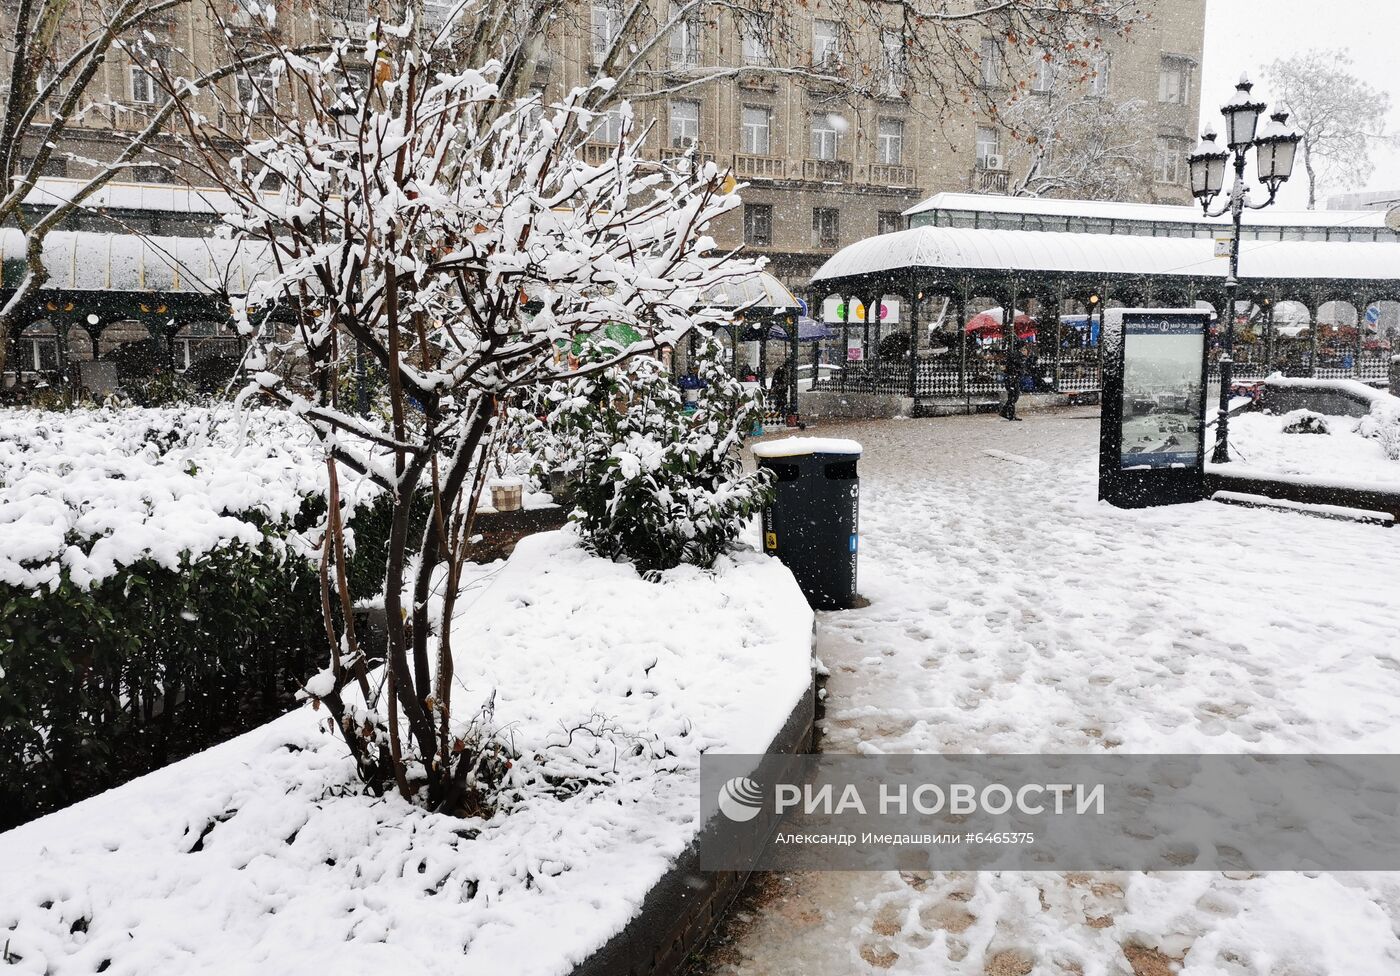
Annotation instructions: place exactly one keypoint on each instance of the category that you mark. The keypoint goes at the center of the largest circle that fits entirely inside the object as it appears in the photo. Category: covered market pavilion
(945, 275)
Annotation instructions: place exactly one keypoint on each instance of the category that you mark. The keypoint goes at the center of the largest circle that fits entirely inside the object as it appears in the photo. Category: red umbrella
(987, 325)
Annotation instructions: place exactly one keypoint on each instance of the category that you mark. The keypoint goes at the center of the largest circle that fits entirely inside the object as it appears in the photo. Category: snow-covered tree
(458, 242)
(1072, 144)
(660, 480)
(1340, 116)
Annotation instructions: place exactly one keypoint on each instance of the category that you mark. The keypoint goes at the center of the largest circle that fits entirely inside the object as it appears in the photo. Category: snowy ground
(1012, 613)
(260, 856)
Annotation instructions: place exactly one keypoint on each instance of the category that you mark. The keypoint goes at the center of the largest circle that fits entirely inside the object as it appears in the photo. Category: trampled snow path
(1013, 613)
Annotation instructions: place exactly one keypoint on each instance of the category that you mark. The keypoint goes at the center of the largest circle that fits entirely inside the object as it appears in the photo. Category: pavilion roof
(956, 249)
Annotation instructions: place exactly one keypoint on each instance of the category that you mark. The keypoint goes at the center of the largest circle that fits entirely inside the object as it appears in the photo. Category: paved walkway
(1011, 612)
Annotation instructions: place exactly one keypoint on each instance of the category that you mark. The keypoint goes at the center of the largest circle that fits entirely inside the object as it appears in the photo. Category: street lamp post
(1274, 150)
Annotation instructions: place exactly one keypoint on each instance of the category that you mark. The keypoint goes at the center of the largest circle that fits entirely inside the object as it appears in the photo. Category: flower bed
(1343, 456)
(262, 855)
(157, 588)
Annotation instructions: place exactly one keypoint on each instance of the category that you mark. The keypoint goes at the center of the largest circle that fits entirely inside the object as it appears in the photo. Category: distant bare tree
(1075, 144)
(1339, 115)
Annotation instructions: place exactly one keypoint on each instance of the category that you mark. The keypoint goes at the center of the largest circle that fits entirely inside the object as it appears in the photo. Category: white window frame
(825, 135)
(896, 68)
(605, 23)
(1169, 162)
(987, 147)
(684, 42)
(991, 63)
(607, 127)
(684, 122)
(259, 88)
(1177, 68)
(826, 43)
(751, 127)
(755, 29)
(889, 145)
(1102, 81)
(140, 85)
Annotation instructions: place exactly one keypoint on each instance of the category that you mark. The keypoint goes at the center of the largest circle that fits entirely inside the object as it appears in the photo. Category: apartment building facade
(826, 163)
(825, 168)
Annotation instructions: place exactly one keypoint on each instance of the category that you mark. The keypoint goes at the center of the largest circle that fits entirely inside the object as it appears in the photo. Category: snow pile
(1352, 454)
(260, 856)
(94, 491)
(1305, 422)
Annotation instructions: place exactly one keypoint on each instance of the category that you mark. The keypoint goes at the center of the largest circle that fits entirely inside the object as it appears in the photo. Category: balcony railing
(893, 174)
(597, 153)
(679, 153)
(758, 167)
(826, 170)
(990, 180)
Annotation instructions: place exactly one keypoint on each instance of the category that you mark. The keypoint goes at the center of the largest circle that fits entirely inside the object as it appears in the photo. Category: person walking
(1015, 371)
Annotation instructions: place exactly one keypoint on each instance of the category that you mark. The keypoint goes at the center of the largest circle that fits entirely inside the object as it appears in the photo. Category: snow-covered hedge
(156, 588)
(266, 855)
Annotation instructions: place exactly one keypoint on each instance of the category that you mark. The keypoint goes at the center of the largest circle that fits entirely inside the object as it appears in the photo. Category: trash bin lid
(796, 446)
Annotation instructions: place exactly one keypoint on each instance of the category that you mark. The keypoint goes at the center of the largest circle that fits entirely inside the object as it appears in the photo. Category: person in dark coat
(1015, 371)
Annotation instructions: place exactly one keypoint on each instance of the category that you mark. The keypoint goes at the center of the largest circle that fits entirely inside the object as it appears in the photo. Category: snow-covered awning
(758, 291)
(1150, 212)
(84, 261)
(956, 249)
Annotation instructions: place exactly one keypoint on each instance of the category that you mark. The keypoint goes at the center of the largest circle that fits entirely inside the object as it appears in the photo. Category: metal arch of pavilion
(98, 280)
(1047, 270)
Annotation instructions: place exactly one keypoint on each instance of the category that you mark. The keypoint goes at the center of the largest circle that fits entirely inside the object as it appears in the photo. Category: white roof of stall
(956, 249)
(1164, 213)
(84, 261)
(161, 197)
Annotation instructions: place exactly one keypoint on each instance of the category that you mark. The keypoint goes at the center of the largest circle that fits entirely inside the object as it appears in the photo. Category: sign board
(1152, 434)
(832, 308)
(1222, 245)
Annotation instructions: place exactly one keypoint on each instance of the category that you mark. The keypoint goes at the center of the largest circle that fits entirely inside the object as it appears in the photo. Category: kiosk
(1152, 432)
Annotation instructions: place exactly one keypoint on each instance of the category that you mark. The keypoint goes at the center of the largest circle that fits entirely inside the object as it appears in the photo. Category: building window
(1102, 70)
(755, 130)
(889, 221)
(607, 22)
(889, 142)
(1174, 82)
(826, 43)
(143, 86)
(257, 92)
(685, 123)
(685, 40)
(893, 64)
(44, 354)
(607, 128)
(1045, 71)
(758, 224)
(826, 227)
(757, 38)
(991, 62)
(1170, 164)
(826, 133)
(988, 142)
